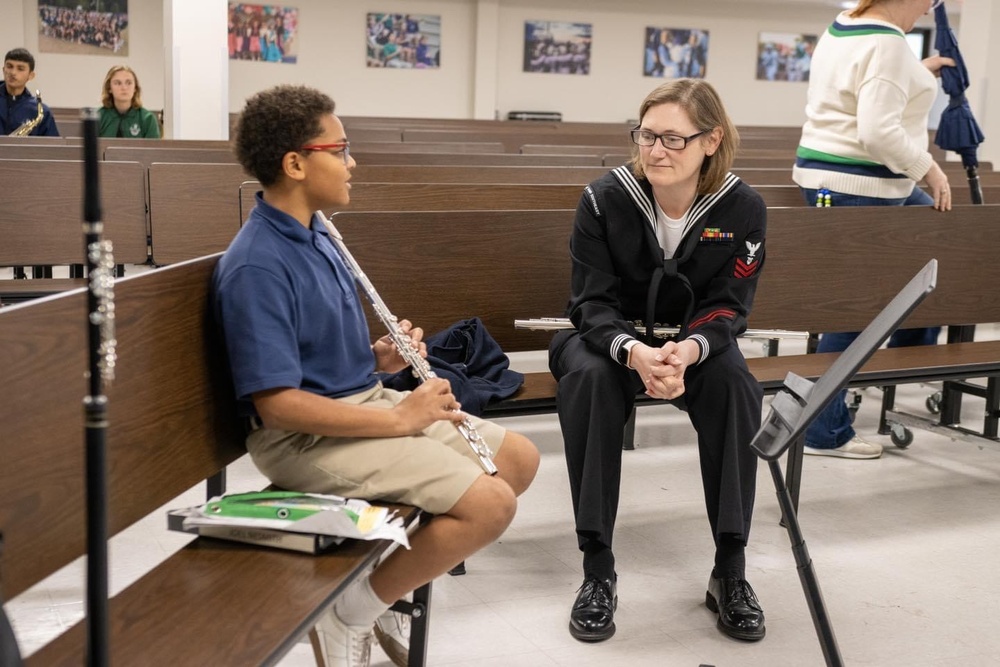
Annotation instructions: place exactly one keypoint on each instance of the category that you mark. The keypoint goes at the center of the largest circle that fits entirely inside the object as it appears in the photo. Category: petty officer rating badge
(747, 267)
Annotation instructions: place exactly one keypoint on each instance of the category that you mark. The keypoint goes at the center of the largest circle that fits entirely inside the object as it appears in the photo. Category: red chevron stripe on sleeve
(744, 270)
(715, 314)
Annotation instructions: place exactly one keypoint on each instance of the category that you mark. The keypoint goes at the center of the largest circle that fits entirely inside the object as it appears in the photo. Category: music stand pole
(771, 441)
(799, 403)
(807, 575)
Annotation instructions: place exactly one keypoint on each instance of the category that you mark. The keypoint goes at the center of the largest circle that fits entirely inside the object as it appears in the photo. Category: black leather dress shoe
(740, 614)
(593, 616)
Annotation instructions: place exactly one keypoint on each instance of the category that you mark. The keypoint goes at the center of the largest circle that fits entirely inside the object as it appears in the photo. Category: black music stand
(798, 404)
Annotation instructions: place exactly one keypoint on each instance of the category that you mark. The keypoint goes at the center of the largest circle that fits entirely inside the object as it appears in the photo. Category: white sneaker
(344, 645)
(392, 630)
(855, 448)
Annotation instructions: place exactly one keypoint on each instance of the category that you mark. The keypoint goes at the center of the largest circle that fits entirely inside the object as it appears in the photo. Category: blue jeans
(832, 427)
(917, 198)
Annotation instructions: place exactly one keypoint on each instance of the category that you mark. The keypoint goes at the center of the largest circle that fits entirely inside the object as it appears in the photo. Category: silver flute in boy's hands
(404, 345)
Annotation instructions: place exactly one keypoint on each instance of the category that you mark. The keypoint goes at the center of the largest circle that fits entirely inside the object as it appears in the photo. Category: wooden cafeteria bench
(172, 425)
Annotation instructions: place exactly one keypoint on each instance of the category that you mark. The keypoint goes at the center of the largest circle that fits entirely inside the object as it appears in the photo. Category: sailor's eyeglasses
(671, 141)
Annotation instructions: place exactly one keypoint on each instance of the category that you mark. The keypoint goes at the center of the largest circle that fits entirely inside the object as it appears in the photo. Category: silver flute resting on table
(404, 345)
(559, 323)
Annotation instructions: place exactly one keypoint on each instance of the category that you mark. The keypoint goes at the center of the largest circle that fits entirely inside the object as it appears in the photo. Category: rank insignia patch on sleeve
(746, 267)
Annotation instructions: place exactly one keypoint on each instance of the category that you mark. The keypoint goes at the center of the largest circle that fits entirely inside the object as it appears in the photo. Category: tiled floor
(903, 546)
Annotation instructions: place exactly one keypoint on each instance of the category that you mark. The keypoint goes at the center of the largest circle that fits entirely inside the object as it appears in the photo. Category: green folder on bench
(284, 505)
(311, 523)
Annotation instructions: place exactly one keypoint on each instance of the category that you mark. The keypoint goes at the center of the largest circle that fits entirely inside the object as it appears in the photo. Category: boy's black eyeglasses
(671, 141)
(343, 149)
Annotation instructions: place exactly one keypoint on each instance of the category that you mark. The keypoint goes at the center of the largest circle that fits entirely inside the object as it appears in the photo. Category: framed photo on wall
(64, 26)
(672, 53)
(263, 33)
(784, 56)
(557, 48)
(407, 41)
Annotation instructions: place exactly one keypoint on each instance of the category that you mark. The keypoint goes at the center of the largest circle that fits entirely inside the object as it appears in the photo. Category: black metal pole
(951, 391)
(975, 187)
(95, 408)
(807, 576)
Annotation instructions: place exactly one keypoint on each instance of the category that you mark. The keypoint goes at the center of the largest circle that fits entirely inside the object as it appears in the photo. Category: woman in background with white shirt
(865, 143)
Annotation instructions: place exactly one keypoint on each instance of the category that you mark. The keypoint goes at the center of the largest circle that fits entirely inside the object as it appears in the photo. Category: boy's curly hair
(275, 122)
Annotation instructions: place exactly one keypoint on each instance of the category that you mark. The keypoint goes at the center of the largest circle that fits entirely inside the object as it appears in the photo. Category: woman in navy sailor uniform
(672, 238)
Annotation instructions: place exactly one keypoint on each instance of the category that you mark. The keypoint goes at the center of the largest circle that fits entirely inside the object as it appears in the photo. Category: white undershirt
(669, 231)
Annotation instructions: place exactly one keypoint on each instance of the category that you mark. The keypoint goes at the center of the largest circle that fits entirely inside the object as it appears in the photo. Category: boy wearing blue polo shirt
(304, 372)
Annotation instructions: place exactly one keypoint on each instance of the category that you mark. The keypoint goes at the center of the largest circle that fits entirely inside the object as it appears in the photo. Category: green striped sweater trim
(811, 154)
(840, 30)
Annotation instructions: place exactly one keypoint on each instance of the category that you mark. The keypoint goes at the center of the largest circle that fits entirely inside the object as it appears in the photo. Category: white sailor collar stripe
(702, 203)
(634, 190)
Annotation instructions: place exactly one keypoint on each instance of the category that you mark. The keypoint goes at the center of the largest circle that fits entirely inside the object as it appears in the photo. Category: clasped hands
(662, 368)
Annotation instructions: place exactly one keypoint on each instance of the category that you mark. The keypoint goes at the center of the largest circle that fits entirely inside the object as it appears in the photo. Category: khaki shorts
(430, 470)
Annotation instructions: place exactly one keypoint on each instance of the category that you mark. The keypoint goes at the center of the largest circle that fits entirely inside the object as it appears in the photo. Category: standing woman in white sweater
(865, 143)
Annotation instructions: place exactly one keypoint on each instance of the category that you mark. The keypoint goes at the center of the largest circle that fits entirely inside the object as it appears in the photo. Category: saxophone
(29, 125)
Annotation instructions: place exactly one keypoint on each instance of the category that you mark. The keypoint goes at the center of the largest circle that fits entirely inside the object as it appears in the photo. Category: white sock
(359, 606)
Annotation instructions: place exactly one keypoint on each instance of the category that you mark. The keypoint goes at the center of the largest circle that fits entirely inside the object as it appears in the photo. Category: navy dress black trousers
(594, 399)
